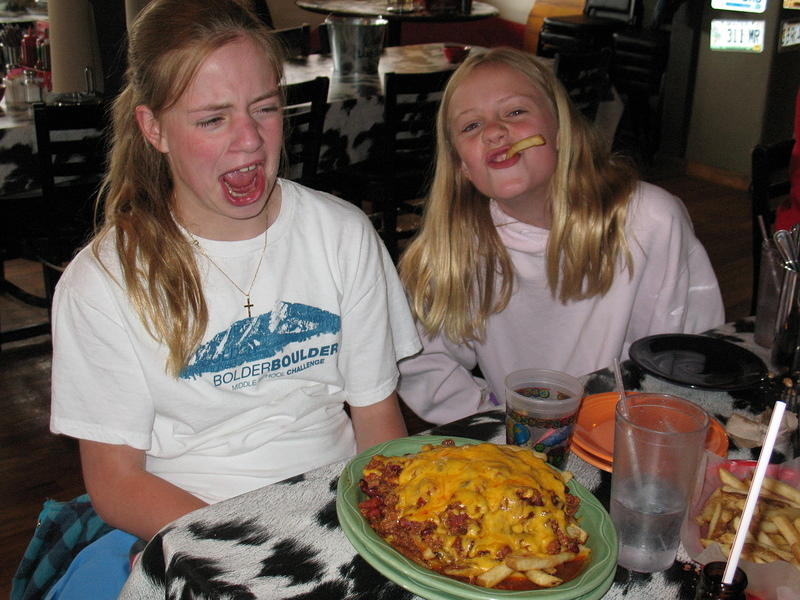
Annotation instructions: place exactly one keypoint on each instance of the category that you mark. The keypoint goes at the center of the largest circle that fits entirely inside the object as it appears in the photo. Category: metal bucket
(356, 43)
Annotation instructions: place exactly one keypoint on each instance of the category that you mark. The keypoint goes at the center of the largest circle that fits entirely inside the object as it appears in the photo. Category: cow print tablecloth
(284, 540)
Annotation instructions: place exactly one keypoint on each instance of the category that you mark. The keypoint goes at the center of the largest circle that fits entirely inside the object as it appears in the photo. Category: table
(19, 165)
(284, 540)
(374, 8)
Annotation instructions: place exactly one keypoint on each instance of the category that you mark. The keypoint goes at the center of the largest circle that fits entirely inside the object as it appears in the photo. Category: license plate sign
(737, 35)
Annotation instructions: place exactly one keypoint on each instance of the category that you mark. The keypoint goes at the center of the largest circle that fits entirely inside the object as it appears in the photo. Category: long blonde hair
(167, 44)
(458, 272)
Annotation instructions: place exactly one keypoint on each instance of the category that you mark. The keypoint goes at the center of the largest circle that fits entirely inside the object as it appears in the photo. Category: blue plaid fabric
(63, 530)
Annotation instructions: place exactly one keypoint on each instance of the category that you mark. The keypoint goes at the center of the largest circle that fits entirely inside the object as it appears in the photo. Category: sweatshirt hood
(516, 235)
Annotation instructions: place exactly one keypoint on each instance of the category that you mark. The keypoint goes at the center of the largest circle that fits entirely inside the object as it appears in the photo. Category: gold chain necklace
(248, 305)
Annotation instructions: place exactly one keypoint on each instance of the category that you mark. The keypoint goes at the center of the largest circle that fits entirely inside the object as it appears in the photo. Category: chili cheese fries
(491, 515)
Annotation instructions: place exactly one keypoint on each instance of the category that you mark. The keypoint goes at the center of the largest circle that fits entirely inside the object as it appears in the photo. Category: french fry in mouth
(525, 143)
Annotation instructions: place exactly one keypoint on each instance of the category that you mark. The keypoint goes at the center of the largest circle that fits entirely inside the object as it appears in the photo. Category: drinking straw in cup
(620, 386)
(752, 494)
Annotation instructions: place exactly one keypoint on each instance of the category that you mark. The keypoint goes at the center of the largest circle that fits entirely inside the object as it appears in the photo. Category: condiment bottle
(28, 49)
(32, 86)
(43, 52)
(710, 586)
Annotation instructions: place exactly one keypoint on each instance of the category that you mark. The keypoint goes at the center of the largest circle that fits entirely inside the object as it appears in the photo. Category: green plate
(592, 583)
(420, 588)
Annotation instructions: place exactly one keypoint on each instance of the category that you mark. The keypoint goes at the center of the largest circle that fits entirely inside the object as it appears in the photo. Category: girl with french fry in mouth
(538, 248)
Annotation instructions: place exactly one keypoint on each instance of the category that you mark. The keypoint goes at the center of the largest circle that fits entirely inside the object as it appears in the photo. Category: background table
(284, 540)
(352, 123)
(375, 8)
(355, 112)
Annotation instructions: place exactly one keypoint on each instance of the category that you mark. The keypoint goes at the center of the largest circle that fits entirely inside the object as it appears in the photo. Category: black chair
(768, 188)
(591, 30)
(637, 72)
(585, 75)
(391, 185)
(261, 8)
(296, 41)
(304, 117)
(52, 227)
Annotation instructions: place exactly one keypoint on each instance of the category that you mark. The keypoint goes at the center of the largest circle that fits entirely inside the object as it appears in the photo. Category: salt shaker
(32, 86)
(710, 586)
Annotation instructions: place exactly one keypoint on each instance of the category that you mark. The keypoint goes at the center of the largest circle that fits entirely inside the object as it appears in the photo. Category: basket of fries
(771, 553)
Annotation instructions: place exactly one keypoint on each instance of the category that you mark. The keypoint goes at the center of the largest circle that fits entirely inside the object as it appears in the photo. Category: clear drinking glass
(658, 447)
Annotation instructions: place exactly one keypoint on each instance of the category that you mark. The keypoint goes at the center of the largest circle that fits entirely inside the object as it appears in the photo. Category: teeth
(246, 169)
(233, 193)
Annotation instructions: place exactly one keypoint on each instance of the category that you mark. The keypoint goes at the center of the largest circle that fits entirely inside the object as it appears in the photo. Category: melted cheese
(489, 483)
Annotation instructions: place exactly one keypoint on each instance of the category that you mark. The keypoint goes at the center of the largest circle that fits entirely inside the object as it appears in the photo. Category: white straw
(752, 495)
(621, 388)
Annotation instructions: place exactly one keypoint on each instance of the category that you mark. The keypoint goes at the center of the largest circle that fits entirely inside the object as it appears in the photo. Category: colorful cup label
(547, 435)
(542, 392)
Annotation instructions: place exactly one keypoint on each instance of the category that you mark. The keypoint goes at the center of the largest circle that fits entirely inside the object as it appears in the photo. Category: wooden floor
(35, 465)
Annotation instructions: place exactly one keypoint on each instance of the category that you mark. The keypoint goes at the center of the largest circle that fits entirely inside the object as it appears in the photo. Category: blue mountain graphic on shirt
(261, 337)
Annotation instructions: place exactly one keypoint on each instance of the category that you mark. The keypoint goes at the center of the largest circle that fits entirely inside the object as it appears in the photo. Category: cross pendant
(248, 305)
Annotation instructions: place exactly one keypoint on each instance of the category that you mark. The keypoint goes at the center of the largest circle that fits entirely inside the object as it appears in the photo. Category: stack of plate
(591, 584)
(593, 436)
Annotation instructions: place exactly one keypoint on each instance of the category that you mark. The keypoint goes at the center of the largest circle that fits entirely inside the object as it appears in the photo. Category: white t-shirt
(262, 398)
(673, 290)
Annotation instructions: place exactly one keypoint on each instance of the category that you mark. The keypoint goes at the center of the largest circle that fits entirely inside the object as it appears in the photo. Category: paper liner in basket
(774, 581)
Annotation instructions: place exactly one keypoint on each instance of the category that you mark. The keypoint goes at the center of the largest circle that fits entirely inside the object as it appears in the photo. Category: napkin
(749, 433)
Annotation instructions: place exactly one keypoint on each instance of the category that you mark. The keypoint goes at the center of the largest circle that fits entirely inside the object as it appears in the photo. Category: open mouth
(243, 185)
(499, 157)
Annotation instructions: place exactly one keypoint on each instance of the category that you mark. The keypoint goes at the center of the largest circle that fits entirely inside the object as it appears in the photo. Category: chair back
(619, 10)
(71, 155)
(296, 41)
(637, 73)
(69, 142)
(769, 186)
(590, 30)
(585, 75)
(411, 103)
(71, 150)
(639, 61)
(304, 120)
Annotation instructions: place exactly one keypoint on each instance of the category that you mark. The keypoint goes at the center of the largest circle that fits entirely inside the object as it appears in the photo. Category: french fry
(782, 489)
(796, 554)
(733, 500)
(708, 508)
(542, 579)
(766, 543)
(786, 528)
(779, 542)
(527, 563)
(730, 480)
(524, 144)
(712, 524)
(494, 575)
(577, 533)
